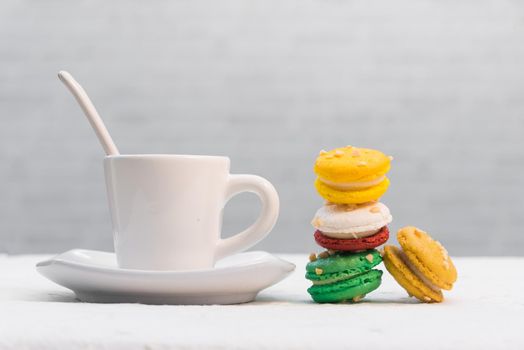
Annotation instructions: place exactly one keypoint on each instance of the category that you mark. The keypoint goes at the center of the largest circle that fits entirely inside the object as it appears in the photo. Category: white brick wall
(438, 84)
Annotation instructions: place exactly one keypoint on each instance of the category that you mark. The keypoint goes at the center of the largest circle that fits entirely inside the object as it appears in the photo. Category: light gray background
(438, 84)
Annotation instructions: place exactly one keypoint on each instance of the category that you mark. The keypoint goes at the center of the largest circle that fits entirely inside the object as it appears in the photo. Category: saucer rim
(59, 260)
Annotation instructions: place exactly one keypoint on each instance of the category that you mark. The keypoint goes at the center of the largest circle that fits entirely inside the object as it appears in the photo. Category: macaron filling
(348, 186)
(352, 244)
(348, 235)
(417, 272)
(335, 277)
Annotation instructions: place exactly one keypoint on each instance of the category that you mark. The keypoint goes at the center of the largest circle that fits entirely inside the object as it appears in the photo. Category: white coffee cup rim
(167, 156)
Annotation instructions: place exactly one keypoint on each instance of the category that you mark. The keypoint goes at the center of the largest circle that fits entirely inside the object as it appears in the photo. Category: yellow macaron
(422, 267)
(351, 175)
(355, 196)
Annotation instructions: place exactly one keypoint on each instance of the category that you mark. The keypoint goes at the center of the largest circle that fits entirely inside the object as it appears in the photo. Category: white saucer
(94, 277)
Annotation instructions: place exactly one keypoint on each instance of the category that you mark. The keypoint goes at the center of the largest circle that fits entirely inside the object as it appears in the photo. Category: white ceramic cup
(167, 210)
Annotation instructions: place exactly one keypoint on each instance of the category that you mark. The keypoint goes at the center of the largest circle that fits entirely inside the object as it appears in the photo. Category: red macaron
(353, 244)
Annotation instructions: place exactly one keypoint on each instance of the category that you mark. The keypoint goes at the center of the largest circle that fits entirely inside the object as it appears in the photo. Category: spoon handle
(90, 111)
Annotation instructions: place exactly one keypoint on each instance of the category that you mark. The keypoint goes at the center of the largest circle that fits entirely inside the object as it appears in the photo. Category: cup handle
(265, 222)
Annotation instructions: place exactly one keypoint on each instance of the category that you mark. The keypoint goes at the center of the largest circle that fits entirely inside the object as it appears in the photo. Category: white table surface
(485, 310)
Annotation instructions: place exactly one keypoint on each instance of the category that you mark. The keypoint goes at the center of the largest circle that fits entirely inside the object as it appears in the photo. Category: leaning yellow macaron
(394, 262)
(422, 267)
(351, 175)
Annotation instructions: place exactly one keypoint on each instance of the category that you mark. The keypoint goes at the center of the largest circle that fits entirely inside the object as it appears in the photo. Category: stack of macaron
(350, 225)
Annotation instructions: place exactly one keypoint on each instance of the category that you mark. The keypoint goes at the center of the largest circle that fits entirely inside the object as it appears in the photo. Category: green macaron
(344, 276)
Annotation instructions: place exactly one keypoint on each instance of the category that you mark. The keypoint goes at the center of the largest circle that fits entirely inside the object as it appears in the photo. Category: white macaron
(351, 221)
